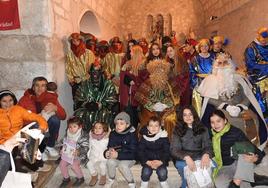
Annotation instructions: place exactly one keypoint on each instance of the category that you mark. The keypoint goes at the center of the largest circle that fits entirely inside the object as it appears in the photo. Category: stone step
(173, 178)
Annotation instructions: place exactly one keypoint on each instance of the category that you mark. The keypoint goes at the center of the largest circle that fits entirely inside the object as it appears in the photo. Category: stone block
(58, 10)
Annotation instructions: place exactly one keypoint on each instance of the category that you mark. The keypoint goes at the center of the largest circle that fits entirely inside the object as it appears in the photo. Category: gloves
(234, 111)
(159, 107)
(92, 106)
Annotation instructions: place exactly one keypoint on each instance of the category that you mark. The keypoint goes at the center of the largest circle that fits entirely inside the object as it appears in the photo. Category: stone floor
(173, 177)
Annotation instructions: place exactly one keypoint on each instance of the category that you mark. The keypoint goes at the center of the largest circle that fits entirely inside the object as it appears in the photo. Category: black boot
(259, 180)
(65, 182)
(78, 182)
(233, 185)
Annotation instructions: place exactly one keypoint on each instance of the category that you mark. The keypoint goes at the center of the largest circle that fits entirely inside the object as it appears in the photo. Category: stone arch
(159, 25)
(88, 23)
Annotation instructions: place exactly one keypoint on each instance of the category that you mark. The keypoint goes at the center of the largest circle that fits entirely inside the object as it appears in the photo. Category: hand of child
(156, 163)
(205, 161)
(76, 153)
(251, 158)
(190, 163)
(150, 164)
(113, 154)
(50, 108)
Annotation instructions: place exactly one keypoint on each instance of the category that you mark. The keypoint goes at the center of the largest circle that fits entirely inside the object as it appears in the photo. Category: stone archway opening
(90, 24)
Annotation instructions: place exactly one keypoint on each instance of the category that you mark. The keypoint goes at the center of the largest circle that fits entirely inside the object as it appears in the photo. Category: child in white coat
(98, 141)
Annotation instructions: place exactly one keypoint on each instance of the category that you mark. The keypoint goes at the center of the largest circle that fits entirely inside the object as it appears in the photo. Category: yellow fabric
(263, 84)
(112, 63)
(216, 143)
(197, 102)
(12, 121)
(77, 68)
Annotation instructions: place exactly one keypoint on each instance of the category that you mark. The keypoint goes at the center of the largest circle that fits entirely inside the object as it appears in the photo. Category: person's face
(217, 123)
(95, 75)
(98, 129)
(155, 50)
(187, 48)
(120, 125)
(40, 87)
(154, 127)
(263, 41)
(73, 128)
(130, 45)
(204, 48)
(170, 52)
(76, 42)
(188, 117)
(217, 46)
(7, 102)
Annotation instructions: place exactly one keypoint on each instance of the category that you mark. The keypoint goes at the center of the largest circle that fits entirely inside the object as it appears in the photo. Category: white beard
(227, 86)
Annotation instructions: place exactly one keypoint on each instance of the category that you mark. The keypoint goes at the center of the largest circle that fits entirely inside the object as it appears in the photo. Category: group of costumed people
(154, 80)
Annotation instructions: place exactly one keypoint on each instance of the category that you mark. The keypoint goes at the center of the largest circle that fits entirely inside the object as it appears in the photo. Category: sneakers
(131, 185)
(65, 182)
(44, 156)
(52, 151)
(44, 168)
(109, 183)
(34, 176)
(164, 184)
(144, 184)
(93, 180)
(78, 182)
(102, 180)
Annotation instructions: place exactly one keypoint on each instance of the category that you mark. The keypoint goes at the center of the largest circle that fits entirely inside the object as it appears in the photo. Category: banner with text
(9, 15)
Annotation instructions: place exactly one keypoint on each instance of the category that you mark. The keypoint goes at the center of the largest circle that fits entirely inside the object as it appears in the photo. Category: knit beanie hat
(122, 116)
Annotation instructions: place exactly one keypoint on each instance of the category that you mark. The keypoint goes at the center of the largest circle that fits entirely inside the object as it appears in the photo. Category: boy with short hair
(121, 150)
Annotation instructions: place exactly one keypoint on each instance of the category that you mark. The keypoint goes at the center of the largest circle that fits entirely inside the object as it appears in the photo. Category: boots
(65, 182)
(144, 184)
(102, 180)
(164, 184)
(78, 182)
(93, 180)
(259, 180)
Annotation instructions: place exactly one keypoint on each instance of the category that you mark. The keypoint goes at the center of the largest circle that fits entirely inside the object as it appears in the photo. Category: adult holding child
(36, 99)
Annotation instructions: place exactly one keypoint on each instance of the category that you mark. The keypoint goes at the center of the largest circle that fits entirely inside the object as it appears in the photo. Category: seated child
(74, 152)
(153, 152)
(98, 141)
(121, 149)
(51, 97)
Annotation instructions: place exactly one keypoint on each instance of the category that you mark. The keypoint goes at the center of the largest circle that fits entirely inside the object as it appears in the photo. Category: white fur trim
(161, 134)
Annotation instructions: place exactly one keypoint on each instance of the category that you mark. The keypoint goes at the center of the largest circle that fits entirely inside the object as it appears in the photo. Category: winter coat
(12, 120)
(154, 148)
(30, 102)
(229, 139)
(125, 143)
(190, 145)
(96, 148)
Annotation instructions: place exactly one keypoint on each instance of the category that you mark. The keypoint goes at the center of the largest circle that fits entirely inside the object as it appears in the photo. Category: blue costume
(200, 65)
(256, 59)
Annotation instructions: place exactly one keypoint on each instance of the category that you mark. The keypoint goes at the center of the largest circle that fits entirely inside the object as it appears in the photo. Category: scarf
(78, 50)
(74, 136)
(216, 142)
(98, 136)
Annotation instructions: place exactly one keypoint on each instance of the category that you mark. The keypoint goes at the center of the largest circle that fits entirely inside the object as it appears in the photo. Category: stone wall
(185, 15)
(240, 25)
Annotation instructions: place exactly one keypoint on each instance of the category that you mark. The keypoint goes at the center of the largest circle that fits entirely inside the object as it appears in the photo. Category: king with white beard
(232, 93)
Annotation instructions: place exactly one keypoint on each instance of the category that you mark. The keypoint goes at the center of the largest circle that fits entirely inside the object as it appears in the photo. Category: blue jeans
(180, 167)
(147, 171)
(53, 129)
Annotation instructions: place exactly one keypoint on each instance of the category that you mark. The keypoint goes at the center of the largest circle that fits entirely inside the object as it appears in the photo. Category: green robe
(105, 95)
